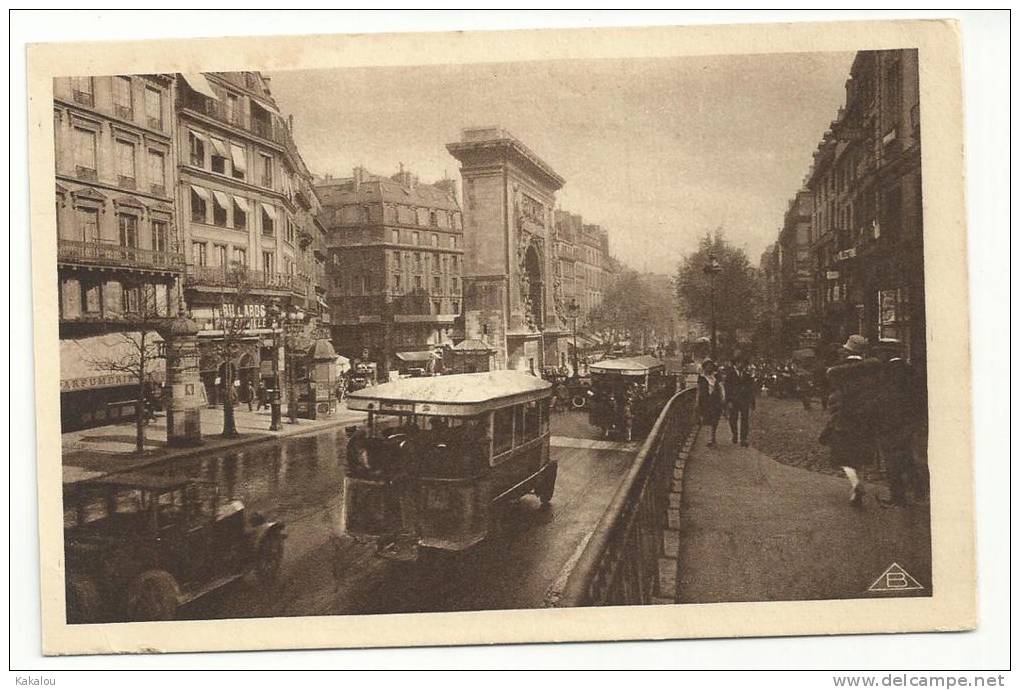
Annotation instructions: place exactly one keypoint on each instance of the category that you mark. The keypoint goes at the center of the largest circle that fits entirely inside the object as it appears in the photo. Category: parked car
(139, 546)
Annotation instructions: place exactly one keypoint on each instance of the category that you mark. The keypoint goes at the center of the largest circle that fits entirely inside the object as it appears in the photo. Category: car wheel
(269, 558)
(152, 596)
(82, 600)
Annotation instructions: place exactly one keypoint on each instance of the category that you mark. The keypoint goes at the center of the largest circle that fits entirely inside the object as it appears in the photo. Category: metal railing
(220, 276)
(110, 253)
(620, 564)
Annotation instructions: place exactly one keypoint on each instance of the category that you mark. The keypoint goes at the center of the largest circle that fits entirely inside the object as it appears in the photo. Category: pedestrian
(261, 395)
(249, 394)
(853, 412)
(897, 423)
(710, 398)
(740, 399)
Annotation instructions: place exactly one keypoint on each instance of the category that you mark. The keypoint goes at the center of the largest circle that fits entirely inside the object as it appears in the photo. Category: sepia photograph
(536, 337)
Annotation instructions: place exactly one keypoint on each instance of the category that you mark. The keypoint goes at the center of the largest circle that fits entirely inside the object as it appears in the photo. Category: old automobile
(439, 454)
(627, 395)
(139, 546)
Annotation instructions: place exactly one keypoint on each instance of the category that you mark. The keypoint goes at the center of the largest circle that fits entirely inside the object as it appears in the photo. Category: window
(85, 152)
(453, 242)
(364, 285)
(396, 282)
(454, 284)
(128, 225)
(240, 159)
(197, 149)
(433, 221)
(219, 214)
(198, 254)
(395, 236)
(396, 260)
(240, 258)
(233, 108)
(240, 214)
(288, 266)
(435, 284)
(160, 236)
(290, 231)
(417, 282)
(502, 430)
(455, 307)
(122, 104)
(266, 170)
(92, 296)
(154, 108)
(88, 223)
(268, 220)
(130, 300)
(414, 238)
(437, 307)
(199, 202)
(435, 240)
(157, 172)
(531, 414)
(219, 156)
(82, 90)
(268, 263)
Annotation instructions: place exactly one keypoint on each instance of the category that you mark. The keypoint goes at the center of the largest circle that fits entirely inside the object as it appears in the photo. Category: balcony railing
(267, 129)
(112, 254)
(621, 563)
(233, 277)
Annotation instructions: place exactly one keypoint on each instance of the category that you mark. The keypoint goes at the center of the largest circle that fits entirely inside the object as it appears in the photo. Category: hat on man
(856, 344)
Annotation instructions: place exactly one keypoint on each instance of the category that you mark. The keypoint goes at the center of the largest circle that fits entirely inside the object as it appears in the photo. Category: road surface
(299, 480)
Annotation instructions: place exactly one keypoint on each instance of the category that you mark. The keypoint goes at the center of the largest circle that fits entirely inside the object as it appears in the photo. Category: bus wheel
(578, 402)
(546, 485)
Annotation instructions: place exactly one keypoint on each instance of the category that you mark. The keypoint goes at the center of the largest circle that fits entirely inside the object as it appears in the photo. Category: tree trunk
(229, 425)
(140, 402)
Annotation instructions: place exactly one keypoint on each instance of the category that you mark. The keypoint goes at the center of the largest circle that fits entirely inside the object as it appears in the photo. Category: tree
(736, 286)
(145, 316)
(633, 306)
(233, 319)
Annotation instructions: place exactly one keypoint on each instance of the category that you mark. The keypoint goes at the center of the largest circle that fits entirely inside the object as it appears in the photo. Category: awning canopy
(322, 351)
(106, 361)
(419, 356)
(222, 199)
(239, 157)
(242, 202)
(198, 82)
(220, 147)
(202, 192)
(270, 210)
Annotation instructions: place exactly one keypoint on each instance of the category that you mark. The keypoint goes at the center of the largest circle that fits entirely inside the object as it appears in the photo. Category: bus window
(544, 407)
(502, 430)
(532, 415)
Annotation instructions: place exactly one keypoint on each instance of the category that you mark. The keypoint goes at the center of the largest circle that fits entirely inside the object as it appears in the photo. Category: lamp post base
(276, 423)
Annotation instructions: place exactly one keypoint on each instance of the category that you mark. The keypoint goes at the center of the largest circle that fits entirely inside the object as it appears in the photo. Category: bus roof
(455, 395)
(627, 366)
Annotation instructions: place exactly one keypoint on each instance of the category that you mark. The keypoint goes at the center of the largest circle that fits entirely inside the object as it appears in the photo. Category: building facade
(582, 263)
(867, 225)
(796, 323)
(509, 233)
(396, 264)
(119, 258)
(251, 240)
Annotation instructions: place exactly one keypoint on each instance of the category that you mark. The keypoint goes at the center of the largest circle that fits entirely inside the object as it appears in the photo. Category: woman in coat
(710, 397)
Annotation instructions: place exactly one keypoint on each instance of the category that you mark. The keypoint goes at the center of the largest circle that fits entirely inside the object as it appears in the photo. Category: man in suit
(740, 398)
(900, 418)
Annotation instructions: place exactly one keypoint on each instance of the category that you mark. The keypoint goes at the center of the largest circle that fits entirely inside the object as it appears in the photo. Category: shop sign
(887, 305)
(99, 381)
(228, 316)
(832, 275)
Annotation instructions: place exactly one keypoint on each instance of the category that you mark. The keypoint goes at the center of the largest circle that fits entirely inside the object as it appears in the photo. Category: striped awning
(103, 361)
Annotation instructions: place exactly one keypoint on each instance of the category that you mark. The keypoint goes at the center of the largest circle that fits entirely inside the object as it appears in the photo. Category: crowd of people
(875, 400)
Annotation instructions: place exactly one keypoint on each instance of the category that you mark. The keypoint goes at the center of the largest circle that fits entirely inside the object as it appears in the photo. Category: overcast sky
(655, 150)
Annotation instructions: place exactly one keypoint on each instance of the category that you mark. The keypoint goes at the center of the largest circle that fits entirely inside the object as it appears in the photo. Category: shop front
(99, 378)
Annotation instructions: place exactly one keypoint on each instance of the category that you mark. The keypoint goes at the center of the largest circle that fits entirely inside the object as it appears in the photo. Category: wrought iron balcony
(243, 278)
(112, 254)
(265, 128)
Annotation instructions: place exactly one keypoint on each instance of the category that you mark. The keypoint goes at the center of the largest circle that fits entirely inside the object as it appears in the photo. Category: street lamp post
(712, 269)
(574, 309)
(276, 316)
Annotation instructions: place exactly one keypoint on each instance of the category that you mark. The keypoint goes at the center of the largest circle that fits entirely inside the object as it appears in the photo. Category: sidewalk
(91, 453)
(753, 529)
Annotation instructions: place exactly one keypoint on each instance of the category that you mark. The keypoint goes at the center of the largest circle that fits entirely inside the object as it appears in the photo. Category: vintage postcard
(530, 336)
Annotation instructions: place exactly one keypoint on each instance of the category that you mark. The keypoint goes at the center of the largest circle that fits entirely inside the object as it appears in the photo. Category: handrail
(619, 565)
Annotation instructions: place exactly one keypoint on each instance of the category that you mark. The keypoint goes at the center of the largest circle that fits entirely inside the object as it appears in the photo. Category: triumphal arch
(511, 301)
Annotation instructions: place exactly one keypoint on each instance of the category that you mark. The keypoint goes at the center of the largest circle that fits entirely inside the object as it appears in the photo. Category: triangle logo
(895, 579)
